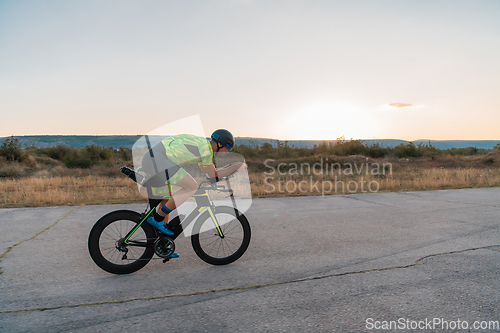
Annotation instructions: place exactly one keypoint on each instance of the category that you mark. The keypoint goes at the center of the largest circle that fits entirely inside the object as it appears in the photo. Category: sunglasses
(229, 146)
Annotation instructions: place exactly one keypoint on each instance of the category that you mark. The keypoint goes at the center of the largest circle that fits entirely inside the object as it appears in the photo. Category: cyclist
(163, 163)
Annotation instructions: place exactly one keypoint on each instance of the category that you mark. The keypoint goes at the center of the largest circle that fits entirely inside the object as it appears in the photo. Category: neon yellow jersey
(188, 148)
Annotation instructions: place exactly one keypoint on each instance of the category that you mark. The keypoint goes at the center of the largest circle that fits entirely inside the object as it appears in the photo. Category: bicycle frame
(202, 203)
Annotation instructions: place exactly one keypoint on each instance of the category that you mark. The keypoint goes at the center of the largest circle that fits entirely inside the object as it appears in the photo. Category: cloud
(393, 106)
(401, 105)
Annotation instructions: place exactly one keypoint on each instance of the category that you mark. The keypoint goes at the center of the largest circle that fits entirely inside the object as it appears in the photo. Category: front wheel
(107, 247)
(212, 248)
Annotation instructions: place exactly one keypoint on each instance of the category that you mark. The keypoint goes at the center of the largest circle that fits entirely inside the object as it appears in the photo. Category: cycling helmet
(224, 138)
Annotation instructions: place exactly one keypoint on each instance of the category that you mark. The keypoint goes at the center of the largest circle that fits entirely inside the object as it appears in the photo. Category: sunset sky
(275, 69)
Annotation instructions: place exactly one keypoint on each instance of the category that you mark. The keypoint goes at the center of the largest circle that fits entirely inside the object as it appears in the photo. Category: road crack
(39, 233)
(356, 197)
(493, 248)
(213, 291)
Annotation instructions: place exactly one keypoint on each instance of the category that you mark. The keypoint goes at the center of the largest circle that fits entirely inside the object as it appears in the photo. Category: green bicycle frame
(202, 203)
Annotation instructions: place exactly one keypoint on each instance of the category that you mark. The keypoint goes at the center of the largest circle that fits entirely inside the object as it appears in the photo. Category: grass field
(52, 184)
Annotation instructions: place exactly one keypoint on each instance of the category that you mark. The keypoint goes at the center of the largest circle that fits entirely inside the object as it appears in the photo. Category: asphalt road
(315, 264)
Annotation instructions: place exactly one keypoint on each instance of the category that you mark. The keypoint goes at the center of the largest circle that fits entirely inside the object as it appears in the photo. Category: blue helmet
(224, 138)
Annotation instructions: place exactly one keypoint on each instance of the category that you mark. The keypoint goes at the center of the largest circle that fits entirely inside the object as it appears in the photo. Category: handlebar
(213, 182)
(136, 177)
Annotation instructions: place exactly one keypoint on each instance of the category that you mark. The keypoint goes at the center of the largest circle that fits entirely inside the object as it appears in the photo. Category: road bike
(122, 242)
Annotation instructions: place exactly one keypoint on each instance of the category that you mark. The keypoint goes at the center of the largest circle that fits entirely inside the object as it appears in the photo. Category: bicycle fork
(214, 220)
(204, 202)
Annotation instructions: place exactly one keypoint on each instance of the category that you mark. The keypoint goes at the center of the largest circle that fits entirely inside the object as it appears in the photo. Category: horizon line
(261, 138)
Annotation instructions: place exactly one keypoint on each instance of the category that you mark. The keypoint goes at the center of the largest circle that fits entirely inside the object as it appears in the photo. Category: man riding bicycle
(162, 163)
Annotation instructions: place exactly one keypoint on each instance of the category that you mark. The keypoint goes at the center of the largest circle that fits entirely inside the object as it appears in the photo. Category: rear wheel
(108, 250)
(212, 248)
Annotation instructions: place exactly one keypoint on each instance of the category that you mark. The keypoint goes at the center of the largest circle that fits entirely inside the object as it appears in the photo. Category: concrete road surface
(422, 261)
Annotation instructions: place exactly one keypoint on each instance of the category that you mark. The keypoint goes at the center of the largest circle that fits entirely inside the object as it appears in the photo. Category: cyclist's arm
(222, 171)
(230, 168)
(209, 170)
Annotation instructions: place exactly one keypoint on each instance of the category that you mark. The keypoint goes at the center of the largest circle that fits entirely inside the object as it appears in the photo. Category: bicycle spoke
(112, 257)
(234, 227)
(218, 248)
(214, 244)
(111, 250)
(110, 236)
(226, 241)
(113, 233)
(114, 228)
(223, 245)
(134, 250)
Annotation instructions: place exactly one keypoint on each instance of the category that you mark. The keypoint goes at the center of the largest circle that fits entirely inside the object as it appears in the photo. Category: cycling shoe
(160, 226)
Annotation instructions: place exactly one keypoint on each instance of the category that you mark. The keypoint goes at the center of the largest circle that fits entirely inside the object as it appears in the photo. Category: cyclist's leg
(189, 187)
(160, 171)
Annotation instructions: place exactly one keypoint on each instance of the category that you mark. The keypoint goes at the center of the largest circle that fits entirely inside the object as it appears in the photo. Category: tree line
(94, 154)
(344, 147)
(71, 157)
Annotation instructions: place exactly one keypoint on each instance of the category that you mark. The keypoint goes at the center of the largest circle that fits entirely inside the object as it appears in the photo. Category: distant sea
(117, 141)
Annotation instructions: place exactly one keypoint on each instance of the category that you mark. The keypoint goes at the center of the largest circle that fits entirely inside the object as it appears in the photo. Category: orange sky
(280, 69)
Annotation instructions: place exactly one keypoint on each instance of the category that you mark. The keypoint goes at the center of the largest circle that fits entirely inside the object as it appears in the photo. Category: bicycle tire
(108, 230)
(236, 245)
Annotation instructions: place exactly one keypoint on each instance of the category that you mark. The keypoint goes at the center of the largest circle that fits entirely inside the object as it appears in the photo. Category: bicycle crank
(164, 247)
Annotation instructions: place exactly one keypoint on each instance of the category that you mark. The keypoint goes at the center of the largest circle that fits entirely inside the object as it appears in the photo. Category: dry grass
(65, 190)
(90, 190)
(401, 174)
(439, 178)
(106, 185)
(405, 179)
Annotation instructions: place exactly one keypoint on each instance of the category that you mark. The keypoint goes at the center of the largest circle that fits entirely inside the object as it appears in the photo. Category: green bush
(124, 154)
(77, 158)
(11, 149)
(84, 157)
(375, 151)
(58, 152)
(348, 147)
(408, 150)
(246, 151)
(469, 151)
(98, 153)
